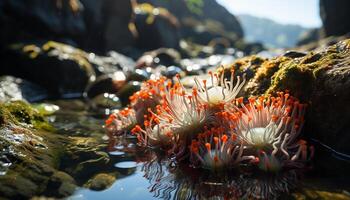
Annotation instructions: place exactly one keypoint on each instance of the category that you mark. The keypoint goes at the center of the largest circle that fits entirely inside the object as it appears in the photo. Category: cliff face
(203, 22)
(92, 25)
(335, 17)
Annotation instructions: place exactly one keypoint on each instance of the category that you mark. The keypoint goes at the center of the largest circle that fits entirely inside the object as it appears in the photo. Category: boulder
(156, 27)
(62, 70)
(335, 15)
(203, 22)
(101, 182)
(60, 20)
(320, 79)
(107, 25)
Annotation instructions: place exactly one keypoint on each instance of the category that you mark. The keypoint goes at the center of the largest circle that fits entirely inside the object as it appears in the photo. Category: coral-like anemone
(120, 122)
(179, 116)
(271, 126)
(148, 97)
(220, 90)
(211, 128)
(216, 150)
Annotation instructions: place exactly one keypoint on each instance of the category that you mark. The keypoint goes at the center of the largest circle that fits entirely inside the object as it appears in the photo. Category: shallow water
(145, 174)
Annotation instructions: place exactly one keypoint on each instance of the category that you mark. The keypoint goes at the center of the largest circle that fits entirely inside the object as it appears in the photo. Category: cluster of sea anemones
(211, 127)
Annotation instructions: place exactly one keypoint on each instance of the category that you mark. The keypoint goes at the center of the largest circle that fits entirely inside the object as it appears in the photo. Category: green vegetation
(19, 112)
(195, 6)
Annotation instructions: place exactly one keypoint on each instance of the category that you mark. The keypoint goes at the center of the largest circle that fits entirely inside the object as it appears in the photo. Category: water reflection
(169, 181)
(146, 174)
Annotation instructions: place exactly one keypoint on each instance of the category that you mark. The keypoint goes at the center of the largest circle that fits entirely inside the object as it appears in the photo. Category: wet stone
(171, 71)
(138, 75)
(294, 54)
(101, 182)
(128, 89)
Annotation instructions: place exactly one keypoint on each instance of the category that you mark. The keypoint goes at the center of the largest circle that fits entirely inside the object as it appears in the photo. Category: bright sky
(302, 12)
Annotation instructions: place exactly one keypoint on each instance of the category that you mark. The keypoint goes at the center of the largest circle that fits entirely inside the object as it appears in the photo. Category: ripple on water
(126, 165)
(116, 153)
(119, 147)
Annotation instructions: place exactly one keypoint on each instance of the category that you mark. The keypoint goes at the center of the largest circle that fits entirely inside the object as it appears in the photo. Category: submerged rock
(101, 182)
(84, 157)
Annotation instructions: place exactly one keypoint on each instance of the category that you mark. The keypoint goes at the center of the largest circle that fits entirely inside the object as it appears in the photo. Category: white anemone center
(215, 95)
(260, 136)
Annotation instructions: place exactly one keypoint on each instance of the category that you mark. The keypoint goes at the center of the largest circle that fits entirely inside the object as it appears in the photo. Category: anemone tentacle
(221, 90)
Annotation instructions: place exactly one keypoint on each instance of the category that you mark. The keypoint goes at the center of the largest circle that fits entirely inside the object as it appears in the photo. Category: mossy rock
(101, 182)
(297, 75)
(246, 65)
(20, 112)
(322, 80)
(32, 149)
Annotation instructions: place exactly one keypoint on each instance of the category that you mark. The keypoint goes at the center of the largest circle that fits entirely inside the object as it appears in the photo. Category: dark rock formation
(59, 20)
(309, 36)
(209, 21)
(159, 33)
(335, 17)
(64, 71)
(107, 24)
(92, 25)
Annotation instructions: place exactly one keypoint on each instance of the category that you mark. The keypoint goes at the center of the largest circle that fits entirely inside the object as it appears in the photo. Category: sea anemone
(148, 97)
(271, 127)
(216, 150)
(120, 122)
(179, 116)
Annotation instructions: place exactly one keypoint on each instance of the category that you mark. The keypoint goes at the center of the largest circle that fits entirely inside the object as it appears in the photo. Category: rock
(111, 19)
(12, 89)
(320, 194)
(101, 182)
(335, 15)
(156, 28)
(161, 56)
(138, 75)
(71, 21)
(32, 154)
(309, 36)
(171, 71)
(106, 101)
(62, 184)
(247, 65)
(52, 65)
(205, 22)
(84, 157)
(129, 89)
(294, 54)
(320, 44)
(59, 20)
(320, 79)
(46, 108)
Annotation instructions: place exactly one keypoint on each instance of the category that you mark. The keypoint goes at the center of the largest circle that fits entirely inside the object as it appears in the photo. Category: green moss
(292, 77)
(20, 112)
(297, 75)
